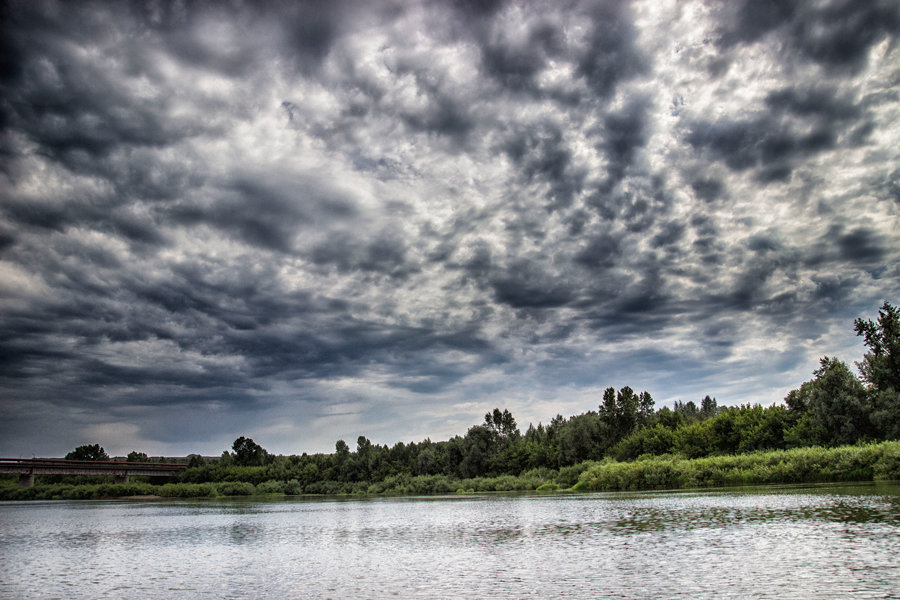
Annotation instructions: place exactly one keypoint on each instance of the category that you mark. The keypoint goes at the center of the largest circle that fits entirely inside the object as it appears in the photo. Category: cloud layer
(306, 221)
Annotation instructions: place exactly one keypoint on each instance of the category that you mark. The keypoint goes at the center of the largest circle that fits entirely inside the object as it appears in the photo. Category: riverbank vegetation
(868, 462)
(835, 427)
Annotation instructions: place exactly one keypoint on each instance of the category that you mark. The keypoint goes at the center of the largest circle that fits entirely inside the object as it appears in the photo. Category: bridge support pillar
(121, 479)
(26, 480)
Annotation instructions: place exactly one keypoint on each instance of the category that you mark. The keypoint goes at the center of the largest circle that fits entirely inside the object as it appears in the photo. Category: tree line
(836, 407)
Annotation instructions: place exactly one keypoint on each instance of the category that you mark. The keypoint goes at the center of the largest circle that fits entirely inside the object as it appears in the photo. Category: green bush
(17, 493)
(431, 484)
(568, 476)
(654, 440)
(887, 466)
(270, 487)
(235, 488)
(328, 488)
(293, 488)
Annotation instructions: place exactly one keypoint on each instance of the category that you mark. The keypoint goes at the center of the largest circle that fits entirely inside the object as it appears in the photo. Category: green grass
(871, 462)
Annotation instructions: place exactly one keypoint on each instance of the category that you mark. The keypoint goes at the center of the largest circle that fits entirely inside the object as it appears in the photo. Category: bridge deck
(29, 467)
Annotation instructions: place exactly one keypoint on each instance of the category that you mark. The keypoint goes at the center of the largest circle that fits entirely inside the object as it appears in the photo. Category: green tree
(884, 409)
(762, 428)
(88, 452)
(501, 423)
(248, 453)
(226, 459)
(832, 407)
(540, 445)
(657, 439)
(624, 411)
(645, 408)
(688, 410)
(582, 437)
(694, 439)
(427, 463)
(880, 368)
(478, 446)
(669, 418)
(708, 407)
(724, 432)
(608, 407)
(135, 456)
(340, 461)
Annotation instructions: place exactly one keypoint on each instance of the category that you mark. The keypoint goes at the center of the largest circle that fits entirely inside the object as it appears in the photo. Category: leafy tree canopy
(248, 453)
(833, 405)
(88, 452)
(623, 411)
(880, 368)
(501, 423)
(135, 456)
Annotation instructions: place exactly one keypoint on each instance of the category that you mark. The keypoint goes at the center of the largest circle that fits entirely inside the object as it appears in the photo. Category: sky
(309, 221)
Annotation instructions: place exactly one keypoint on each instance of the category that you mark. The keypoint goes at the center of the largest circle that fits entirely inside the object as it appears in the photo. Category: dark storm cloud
(764, 243)
(671, 232)
(889, 185)
(263, 214)
(385, 254)
(822, 103)
(341, 346)
(624, 133)
(98, 212)
(835, 34)
(478, 265)
(707, 188)
(544, 157)
(771, 143)
(647, 296)
(515, 65)
(306, 29)
(443, 116)
(73, 108)
(266, 212)
(7, 239)
(610, 56)
(861, 245)
(277, 336)
(525, 285)
(602, 252)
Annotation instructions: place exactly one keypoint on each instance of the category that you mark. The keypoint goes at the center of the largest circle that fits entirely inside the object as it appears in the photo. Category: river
(814, 542)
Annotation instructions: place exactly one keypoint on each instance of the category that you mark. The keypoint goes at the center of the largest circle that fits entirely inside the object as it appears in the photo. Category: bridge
(27, 468)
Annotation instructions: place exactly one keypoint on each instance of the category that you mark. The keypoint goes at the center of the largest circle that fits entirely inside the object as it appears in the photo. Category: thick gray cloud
(310, 221)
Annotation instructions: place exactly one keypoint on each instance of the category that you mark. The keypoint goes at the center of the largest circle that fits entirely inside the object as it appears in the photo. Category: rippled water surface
(813, 542)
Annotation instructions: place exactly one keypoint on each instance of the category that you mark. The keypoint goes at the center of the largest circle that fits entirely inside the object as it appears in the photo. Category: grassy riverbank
(869, 462)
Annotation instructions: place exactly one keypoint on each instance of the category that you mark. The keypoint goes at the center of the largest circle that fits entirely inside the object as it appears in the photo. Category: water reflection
(242, 533)
(822, 542)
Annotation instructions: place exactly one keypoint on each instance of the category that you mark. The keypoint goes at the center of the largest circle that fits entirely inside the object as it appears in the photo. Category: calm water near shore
(787, 542)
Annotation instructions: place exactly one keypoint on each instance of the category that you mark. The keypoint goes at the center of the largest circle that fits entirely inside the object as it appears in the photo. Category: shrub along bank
(870, 462)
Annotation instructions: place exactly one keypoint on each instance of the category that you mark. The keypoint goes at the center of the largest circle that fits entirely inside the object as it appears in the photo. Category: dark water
(814, 542)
